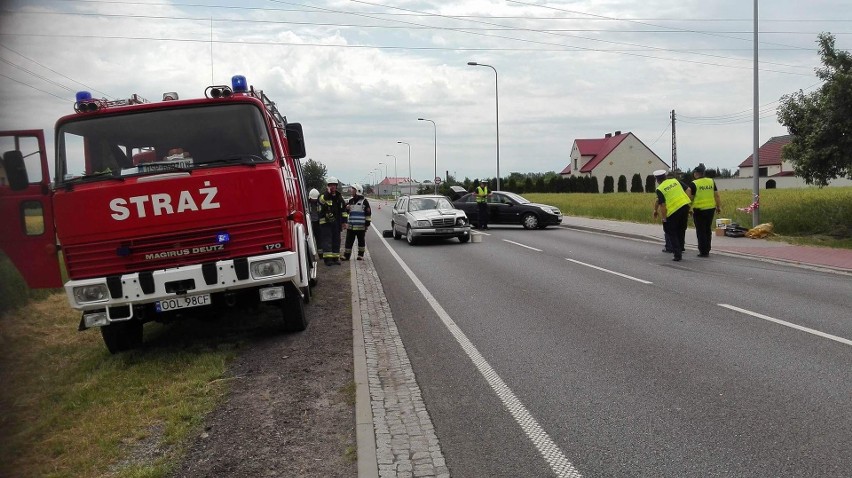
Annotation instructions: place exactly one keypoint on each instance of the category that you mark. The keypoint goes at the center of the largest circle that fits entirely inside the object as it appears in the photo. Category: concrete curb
(365, 437)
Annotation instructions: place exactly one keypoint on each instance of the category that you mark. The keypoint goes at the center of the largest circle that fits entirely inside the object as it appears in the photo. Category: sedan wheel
(409, 236)
(530, 221)
(396, 234)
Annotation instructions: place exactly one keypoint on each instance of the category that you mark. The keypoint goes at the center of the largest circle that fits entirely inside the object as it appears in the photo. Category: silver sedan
(428, 215)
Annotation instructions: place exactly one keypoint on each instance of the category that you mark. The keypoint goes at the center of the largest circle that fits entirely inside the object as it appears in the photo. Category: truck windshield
(148, 142)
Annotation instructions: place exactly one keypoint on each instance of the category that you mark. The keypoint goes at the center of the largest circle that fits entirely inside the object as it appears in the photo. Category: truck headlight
(269, 268)
(88, 294)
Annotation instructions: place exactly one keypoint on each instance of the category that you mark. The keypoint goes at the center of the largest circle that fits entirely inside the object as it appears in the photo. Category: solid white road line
(542, 441)
(611, 272)
(522, 245)
(788, 324)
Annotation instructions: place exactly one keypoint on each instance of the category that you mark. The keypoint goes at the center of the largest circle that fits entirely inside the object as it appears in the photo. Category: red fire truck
(160, 207)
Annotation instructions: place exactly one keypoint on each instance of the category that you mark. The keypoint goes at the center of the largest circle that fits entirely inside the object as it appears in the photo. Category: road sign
(437, 180)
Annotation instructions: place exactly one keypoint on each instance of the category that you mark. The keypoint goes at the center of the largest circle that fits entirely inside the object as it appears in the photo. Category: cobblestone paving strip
(406, 444)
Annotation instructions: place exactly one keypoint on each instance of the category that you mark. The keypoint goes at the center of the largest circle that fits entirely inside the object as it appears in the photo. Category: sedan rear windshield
(161, 140)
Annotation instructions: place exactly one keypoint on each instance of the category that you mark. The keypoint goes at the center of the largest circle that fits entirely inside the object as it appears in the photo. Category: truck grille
(449, 221)
(102, 259)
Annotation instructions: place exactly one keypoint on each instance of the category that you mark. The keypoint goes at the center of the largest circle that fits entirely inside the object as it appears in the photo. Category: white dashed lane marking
(609, 271)
(522, 245)
(788, 324)
(557, 460)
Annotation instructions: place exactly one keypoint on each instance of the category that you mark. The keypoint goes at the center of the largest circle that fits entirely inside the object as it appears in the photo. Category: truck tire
(122, 336)
(293, 309)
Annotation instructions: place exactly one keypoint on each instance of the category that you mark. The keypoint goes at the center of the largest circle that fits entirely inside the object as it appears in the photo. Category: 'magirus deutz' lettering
(158, 204)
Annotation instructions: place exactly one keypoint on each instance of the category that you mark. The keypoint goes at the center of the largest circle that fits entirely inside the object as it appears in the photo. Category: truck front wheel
(293, 307)
(122, 336)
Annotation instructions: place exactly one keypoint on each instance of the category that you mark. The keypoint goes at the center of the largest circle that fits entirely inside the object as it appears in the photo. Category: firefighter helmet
(358, 188)
(332, 180)
(314, 194)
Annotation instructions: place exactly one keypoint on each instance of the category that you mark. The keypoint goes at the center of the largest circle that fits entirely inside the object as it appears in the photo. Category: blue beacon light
(239, 84)
(83, 96)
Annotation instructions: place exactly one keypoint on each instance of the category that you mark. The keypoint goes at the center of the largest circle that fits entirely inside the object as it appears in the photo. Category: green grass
(71, 409)
(806, 216)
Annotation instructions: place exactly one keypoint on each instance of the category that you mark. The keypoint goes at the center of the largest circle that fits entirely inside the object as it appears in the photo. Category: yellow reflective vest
(704, 198)
(481, 194)
(674, 195)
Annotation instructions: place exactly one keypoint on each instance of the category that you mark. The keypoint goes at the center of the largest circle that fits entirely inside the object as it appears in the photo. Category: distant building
(389, 186)
(770, 163)
(615, 154)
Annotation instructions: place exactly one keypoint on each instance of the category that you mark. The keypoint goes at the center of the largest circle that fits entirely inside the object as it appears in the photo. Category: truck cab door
(27, 234)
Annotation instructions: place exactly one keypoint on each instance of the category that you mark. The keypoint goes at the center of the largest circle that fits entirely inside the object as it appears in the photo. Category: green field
(808, 215)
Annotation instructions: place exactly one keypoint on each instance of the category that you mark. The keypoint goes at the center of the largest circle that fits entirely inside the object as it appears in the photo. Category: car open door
(27, 234)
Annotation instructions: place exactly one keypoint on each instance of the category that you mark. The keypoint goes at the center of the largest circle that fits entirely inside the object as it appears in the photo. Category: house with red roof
(769, 159)
(613, 155)
(389, 185)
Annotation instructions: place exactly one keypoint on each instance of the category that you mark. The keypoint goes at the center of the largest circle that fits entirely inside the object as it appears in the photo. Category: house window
(763, 172)
(575, 164)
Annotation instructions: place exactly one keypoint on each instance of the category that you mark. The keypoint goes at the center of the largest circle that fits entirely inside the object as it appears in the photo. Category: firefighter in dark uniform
(674, 209)
(360, 216)
(332, 219)
(705, 203)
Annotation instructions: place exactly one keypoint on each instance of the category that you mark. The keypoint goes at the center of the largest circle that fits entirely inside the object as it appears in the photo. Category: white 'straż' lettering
(120, 212)
(162, 203)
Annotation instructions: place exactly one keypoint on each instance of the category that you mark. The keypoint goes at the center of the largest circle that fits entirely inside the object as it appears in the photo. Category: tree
(314, 172)
(622, 184)
(650, 184)
(821, 121)
(636, 184)
(609, 184)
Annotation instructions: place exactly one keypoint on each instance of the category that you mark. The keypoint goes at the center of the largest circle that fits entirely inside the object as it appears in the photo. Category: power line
(563, 48)
(644, 23)
(53, 71)
(33, 87)
(532, 30)
(501, 17)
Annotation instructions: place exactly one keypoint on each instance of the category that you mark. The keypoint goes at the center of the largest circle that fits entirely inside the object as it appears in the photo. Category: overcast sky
(358, 74)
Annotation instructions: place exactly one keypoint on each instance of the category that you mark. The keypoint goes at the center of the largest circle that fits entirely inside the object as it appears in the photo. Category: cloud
(358, 75)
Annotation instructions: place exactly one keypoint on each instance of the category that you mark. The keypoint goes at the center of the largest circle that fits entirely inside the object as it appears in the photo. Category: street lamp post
(386, 170)
(435, 129)
(409, 163)
(496, 116)
(395, 174)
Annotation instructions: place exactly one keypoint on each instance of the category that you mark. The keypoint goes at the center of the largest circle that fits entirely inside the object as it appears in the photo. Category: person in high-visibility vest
(332, 218)
(360, 216)
(705, 203)
(482, 194)
(673, 206)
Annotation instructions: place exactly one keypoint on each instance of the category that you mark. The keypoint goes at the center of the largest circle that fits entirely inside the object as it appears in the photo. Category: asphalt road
(563, 353)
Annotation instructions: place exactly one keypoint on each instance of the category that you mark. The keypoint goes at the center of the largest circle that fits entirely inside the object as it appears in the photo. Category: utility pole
(755, 164)
(674, 142)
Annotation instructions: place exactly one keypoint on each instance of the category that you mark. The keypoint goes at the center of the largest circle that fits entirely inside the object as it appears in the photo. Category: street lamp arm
(496, 116)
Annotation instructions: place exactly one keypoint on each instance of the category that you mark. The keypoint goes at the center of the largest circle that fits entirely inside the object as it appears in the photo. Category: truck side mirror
(16, 170)
(296, 140)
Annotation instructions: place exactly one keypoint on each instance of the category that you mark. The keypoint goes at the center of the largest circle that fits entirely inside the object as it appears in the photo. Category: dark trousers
(330, 241)
(703, 219)
(315, 226)
(350, 241)
(676, 229)
(482, 216)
